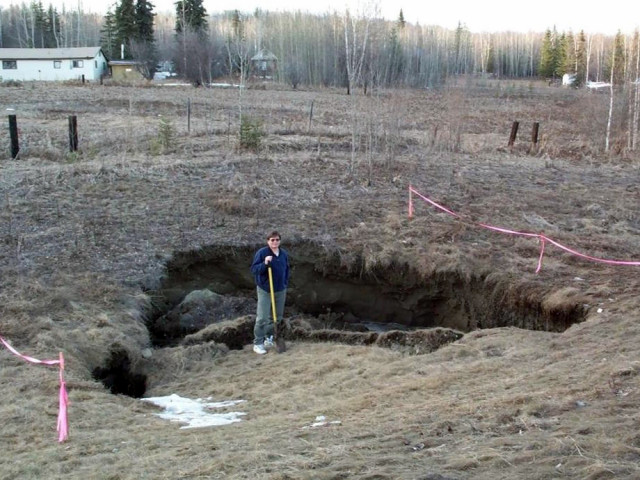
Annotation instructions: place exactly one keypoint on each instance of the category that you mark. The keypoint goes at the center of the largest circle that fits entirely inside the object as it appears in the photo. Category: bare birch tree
(636, 89)
(613, 65)
(356, 36)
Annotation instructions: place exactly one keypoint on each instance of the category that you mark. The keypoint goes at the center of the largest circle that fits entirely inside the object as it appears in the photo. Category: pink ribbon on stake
(540, 236)
(63, 399)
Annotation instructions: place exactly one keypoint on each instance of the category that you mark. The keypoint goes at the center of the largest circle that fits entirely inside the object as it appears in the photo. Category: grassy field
(528, 375)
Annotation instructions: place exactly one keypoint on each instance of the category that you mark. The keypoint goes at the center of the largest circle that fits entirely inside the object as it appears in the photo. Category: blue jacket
(279, 269)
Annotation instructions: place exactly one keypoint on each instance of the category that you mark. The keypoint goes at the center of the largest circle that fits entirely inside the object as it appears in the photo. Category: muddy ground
(432, 340)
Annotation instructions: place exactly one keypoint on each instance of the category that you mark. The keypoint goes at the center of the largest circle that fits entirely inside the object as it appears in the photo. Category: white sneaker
(268, 342)
(259, 349)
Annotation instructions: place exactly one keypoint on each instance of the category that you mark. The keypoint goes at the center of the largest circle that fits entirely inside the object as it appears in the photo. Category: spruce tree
(547, 67)
(581, 60)
(144, 21)
(142, 45)
(191, 56)
(39, 22)
(559, 55)
(570, 60)
(491, 58)
(396, 60)
(192, 15)
(620, 60)
(125, 20)
(52, 28)
(401, 21)
(108, 36)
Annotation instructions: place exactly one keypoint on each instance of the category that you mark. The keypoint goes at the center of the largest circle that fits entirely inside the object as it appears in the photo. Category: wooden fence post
(534, 136)
(73, 133)
(189, 116)
(310, 117)
(13, 133)
(514, 132)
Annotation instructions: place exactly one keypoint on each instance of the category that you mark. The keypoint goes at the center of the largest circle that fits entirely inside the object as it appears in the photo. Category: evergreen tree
(553, 55)
(126, 29)
(237, 46)
(192, 15)
(396, 59)
(142, 45)
(547, 67)
(560, 55)
(192, 57)
(38, 21)
(144, 21)
(108, 36)
(491, 58)
(581, 60)
(620, 60)
(401, 22)
(460, 49)
(570, 59)
(236, 24)
(52, 28)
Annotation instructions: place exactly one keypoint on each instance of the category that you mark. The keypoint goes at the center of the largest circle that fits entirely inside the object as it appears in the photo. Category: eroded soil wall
(348, 295)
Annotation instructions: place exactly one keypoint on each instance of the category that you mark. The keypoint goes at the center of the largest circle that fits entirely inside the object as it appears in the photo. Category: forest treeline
(331, 49)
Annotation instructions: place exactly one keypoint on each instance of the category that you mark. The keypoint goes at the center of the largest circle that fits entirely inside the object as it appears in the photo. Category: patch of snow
(224, 85)
(321, 421)
(597, 85)
(163, 75)
(194, 413)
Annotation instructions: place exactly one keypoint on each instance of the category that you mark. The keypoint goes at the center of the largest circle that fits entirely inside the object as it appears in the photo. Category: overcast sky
(478, 16)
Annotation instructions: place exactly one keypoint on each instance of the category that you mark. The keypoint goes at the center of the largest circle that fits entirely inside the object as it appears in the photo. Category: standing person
(275, 257)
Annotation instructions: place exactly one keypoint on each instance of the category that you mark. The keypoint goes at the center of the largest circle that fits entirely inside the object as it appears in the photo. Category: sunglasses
(274, 239)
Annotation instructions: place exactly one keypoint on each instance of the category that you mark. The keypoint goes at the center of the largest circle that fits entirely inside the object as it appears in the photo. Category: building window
(78, 64)
(9, 64)
(57, 64)
(95, 64)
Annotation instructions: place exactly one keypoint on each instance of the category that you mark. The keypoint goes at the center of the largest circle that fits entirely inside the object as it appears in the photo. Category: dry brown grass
(81, 235)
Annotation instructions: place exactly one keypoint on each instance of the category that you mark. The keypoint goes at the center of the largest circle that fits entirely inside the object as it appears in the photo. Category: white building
(52, 64)
(569, 79)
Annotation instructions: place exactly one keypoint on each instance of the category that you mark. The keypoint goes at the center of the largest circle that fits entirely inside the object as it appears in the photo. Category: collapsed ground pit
(329, 300)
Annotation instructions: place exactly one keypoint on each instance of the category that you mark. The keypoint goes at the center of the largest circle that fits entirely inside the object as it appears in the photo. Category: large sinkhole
(341, 293)
(209, 295)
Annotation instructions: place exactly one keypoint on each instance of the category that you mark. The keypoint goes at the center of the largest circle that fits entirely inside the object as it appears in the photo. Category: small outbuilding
(125, 70)
(264, 63)
(52, 64)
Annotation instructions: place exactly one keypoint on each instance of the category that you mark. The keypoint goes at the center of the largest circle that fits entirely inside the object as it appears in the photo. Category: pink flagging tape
(63, 399)
(410, 202)
(540, 236)
(437, 205)
(541, 255)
